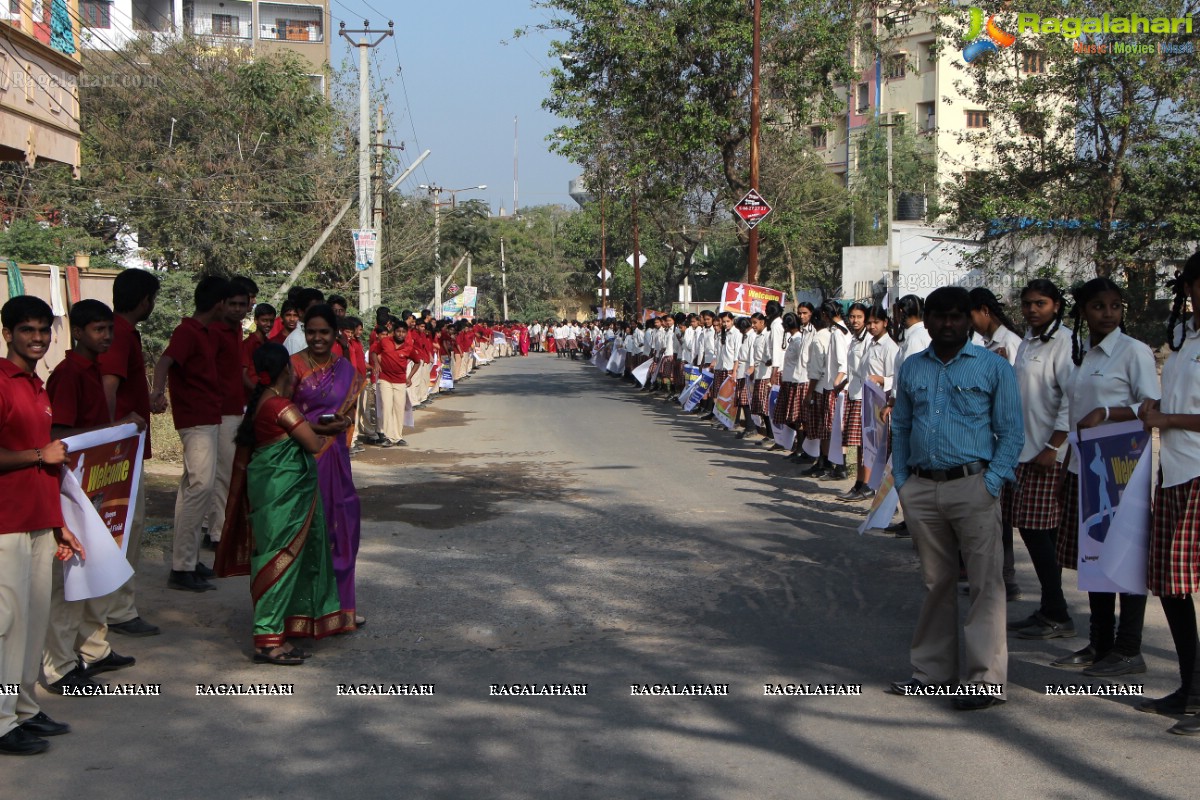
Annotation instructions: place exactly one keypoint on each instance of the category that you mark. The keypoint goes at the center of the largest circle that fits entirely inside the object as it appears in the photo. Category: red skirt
(787, 395)
(1174, 566)
(742, 396)
(719, 376)
(572, 344)
(762, 397)
(852, 424)
(1033, 500)
(666, 368)
(1068, 529)
(677, 371)
(818, 416)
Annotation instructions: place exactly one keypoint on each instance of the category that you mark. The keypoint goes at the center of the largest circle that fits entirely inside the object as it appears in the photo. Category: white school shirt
(818, 351)
(878, 359)
(795, 359)
(854, 357)
(1044, 371)
(708, 345)
(835, 358)
(1003, 339)
(560, 333)
(296, 341)
(689, 344)
(1179, 450)
(744, 354)
(668, 341)
(916, 340)
(728, 352)
(1119, 371)
(758, 355)
(778, 342)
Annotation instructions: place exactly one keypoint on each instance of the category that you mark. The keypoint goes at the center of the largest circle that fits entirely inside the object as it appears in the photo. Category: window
(225, 25)
(977, 119)
(14, 7)
(1033, 63)
(863, 97)
(926, 56)
(820, 138)
(317, 84)
(95, 13)
(926, 117)
(896, 66)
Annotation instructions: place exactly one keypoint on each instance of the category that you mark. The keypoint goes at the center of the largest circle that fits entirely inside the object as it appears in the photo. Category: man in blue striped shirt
(956, 434)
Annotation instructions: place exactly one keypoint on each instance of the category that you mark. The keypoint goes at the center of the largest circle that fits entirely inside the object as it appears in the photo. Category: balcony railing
(226, 26)
(293, 31)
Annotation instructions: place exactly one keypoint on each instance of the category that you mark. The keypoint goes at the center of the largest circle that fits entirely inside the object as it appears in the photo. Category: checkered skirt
(742, 396)
(852, 424)
(1068, 528)
(761, 398)
(1033, 501)
(666, 368)
(784, 403)
(1174, 565)
(818, 416)
(677, 371)
(719, 376)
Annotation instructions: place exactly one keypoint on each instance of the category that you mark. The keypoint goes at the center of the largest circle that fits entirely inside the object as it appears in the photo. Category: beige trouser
(947, 518)
(122, 607)
(391, 421)
(195, 493)
(25, 563)
(417, 385)
(76, 627)
(368, 405)
(214, 520)
(457, 367)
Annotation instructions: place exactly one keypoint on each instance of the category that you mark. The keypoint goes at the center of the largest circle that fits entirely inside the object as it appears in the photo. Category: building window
(820, 137)
(225, 25)
(95, 13)
(977, 119)
(896, 66)
(14, 7)
(317, 83)
(863, 97)
(926, 56)
(926, 117)
(1033, 63)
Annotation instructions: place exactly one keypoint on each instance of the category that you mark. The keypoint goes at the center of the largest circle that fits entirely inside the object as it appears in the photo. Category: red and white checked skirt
(1068, 529)
(1033, 501)
(572, 344)
(852, 424)
(761, 397)
(719, 376)
(666, 368)
(742, 396)
(1173, 569)
(818, 416)
(677, 371)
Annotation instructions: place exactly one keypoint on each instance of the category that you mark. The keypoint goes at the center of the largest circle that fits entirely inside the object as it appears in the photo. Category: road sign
(641, 257)
(604, 274)
(453, 288)
(752, 208)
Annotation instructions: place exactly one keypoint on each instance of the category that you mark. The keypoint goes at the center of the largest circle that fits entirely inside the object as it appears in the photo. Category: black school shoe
(41, 725)
(110, 663)
(18, 742)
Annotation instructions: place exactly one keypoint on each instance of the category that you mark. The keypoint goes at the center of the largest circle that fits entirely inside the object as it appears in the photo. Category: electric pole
(503, 279)
(376, 271)
(637, 260)
(603, 264)
(892, 268)
(368, 279)
(752, 246)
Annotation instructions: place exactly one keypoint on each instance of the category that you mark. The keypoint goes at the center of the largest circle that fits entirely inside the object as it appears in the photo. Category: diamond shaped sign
(752, 208)
(603, 274)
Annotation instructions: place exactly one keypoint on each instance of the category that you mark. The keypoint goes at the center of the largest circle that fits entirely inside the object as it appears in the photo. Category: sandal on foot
(299, 653)
(263, 655)
(360, 622)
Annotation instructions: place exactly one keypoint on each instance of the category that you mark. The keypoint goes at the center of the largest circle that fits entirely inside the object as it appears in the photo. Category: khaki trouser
(122, 606)
(76, 627)
(391, 421)
(214, 520)
(25, 563)
(947, 518)
(195, 493)
(418, 384)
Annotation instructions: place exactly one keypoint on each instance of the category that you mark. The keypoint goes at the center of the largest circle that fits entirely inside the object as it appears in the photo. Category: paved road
(548, 525)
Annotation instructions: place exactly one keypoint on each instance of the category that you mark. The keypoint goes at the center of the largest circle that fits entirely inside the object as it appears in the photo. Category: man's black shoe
(1115, 664)
(1080, 658)
(1177, 702)
(816, 470)
(204, 571)
(41, 725)
(908, 688)
(18, 742)
(1046, 628)
(110, 663)
(187, 582)
(207, 543)
(836, 473)
(1189, 726)
(134, 627)
(73, 681)
(976, 702)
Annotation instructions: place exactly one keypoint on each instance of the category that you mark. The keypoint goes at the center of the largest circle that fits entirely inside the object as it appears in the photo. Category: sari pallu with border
(275, 531)
(334, 389)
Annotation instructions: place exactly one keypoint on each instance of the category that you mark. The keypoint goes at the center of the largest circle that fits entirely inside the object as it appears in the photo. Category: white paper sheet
(105, 569)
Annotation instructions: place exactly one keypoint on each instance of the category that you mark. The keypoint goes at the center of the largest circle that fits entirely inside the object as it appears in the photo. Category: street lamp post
(435, 192)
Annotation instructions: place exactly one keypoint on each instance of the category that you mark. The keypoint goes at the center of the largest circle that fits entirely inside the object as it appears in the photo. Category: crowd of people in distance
(979, 412)
(268, 423)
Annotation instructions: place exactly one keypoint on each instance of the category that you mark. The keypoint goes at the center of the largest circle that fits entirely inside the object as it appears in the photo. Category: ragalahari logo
(983, 38)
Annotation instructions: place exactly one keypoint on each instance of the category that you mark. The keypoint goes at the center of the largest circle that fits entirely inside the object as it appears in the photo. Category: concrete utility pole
(637, 260)
(369, 279)
(603, 264)
(376, 271)
(503, 280)
(892, 268)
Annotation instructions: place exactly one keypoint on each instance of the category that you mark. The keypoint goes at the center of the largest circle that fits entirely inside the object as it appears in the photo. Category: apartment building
(39, 82)
(302, 26)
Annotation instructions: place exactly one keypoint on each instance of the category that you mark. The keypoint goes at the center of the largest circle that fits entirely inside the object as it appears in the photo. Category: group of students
(1066, 377)
(267, 424)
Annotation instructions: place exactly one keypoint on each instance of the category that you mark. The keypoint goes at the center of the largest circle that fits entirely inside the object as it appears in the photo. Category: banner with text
(744, 299)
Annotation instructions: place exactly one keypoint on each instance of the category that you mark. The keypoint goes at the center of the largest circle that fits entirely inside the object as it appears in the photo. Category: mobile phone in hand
(327, 419)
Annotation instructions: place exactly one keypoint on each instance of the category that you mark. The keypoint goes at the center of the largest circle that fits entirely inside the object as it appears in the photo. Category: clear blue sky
(464, 86)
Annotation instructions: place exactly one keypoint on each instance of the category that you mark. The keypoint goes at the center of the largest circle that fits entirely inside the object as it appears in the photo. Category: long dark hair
(271, 359)
(858, 337)
(791, 322)
(830, 310)
(774, 309)
(1082, 295)
(984, 298)
(908, 306)
(1048, 288)
(879, 312)
(812, 312)
(1179, 285)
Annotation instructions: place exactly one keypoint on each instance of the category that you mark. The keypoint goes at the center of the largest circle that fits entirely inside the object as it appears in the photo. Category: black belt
(952, 474)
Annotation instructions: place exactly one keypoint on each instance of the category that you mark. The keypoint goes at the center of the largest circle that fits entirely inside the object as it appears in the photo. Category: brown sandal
(285, 658)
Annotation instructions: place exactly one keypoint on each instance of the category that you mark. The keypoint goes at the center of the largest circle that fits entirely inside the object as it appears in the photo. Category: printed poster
(724, 408)
(784, 436)
(744, 299)
(699, 390)
(874, 433)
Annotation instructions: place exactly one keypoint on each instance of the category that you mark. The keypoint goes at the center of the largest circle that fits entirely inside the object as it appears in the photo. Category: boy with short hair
(289, 320)
(392, 361)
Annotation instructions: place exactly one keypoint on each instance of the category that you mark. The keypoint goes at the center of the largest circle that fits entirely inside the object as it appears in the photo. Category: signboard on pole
(744, 299)
(364, 249)
(752, 208)
(605, 274)
(641, 258)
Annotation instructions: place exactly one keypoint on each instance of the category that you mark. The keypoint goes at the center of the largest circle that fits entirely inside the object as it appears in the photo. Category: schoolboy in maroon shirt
(31, 531)
(190, 364)
(123, 372)
(77, 647)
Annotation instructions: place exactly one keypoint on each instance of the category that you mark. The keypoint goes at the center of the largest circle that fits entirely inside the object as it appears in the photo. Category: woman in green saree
(275, 529)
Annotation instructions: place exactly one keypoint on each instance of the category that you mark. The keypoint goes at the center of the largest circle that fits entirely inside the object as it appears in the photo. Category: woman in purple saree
(327, 384)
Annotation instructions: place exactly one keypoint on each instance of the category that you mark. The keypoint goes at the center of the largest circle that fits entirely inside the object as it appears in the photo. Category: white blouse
(1179, 450)
(1044, 370)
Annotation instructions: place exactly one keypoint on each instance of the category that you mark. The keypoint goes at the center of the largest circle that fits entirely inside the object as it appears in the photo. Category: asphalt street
(548, 525)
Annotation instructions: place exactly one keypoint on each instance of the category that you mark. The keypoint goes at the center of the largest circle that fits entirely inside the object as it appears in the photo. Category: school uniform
(1003, 342)
(790, 403)
(726, 357)
(835, 364)
(816, 410)
(916, 339)
(394, 360)
(227, 342)
(852, 416)
(778, 342)
(760, 398)
(742, 395)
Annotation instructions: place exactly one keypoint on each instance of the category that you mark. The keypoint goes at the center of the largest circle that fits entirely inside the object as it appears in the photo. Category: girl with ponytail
(993, 329)
(1116, 375)
(1174, 563)
(276, 531)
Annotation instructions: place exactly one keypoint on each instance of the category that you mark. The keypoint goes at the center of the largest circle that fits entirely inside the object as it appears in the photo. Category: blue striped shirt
(968, 409)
